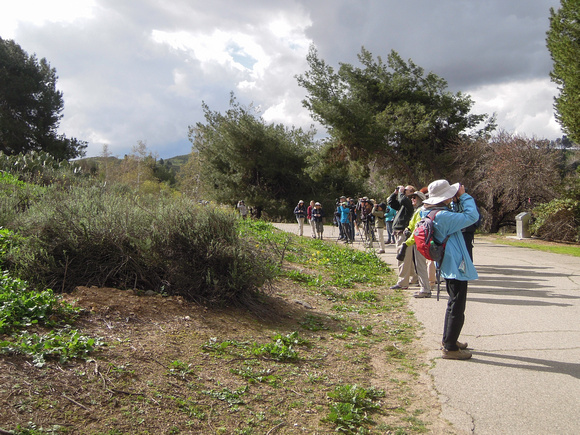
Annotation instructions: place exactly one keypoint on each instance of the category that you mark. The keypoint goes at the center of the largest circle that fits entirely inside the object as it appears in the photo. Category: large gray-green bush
(96, 236)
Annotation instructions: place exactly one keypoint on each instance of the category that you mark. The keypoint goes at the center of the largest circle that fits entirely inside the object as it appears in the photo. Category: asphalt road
(523, 327)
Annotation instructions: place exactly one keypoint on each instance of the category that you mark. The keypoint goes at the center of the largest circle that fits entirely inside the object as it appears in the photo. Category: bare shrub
(506, 174)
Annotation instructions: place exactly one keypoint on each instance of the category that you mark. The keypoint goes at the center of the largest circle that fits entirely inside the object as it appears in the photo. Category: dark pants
(346, 231)
(390, 236)
(455, 314)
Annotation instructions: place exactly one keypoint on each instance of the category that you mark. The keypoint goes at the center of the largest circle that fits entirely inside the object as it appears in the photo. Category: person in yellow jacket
(417, 258)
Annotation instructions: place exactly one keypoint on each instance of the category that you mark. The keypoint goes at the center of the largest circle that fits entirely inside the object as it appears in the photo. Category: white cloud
(38, 12)
(523, 107)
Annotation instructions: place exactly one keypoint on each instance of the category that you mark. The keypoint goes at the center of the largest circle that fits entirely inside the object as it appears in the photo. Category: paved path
(523, 326)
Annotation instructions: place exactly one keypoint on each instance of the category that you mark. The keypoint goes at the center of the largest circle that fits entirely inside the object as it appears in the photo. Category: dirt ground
(164, 372)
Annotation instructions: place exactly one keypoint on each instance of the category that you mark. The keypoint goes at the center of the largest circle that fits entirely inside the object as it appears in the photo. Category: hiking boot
(398, 287)
(422, 294)
(459, 344)
(455, 354)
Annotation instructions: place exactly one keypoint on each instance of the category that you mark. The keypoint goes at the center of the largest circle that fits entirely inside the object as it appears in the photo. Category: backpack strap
(432, 215)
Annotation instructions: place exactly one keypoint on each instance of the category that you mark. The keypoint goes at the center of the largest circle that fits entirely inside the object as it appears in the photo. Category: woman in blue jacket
(457, 267)
(389, 216)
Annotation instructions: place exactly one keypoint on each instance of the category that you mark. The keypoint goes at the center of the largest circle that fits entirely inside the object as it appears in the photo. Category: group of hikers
(314, 214)
(454, 218)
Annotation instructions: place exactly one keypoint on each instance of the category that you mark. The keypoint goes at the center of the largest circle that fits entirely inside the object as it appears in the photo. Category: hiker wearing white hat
(456, 267)
(300, 212)
(440, 191)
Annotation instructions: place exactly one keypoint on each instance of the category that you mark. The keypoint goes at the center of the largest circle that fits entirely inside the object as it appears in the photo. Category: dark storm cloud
(469, 43)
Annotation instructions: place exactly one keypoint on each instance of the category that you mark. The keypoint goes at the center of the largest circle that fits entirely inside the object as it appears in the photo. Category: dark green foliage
(91, 236)
(392, 113)
(563, 41)
(334, 175)
(242, 157)
(21, 306)
(31, 106)
(164, 171)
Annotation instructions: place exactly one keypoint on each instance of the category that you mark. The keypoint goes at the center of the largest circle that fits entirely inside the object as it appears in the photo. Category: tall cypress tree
(31, 106)
(563, 41)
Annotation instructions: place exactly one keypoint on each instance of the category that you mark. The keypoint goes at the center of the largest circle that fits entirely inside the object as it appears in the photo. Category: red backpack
(426, 244)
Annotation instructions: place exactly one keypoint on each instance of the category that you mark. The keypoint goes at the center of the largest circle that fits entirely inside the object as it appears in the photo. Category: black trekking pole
(438, 279)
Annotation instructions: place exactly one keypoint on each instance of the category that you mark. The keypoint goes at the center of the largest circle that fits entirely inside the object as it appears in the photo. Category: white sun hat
(440, 190)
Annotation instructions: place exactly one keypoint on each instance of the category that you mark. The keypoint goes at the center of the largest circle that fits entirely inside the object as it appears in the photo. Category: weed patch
(62, 345)
(352, 406)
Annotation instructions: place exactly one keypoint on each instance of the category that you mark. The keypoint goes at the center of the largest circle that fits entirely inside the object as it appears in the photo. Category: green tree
(31, 106)
(242, 157)
(563, 41)
(393, 113)
(165, 172)
(333, 175)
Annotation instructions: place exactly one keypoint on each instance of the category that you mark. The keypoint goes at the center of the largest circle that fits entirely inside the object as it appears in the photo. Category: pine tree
(563, 41)
(31, 106)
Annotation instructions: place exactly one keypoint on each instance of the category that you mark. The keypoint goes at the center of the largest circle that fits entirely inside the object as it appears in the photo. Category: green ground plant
(180, 369)
(22, 307)
(352, 406)
(62, 345)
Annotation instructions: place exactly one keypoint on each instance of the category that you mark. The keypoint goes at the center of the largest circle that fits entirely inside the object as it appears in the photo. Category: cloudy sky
(138, 70)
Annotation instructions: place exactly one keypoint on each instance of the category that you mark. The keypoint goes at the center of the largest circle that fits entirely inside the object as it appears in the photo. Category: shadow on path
(527, 283)
(526, 363)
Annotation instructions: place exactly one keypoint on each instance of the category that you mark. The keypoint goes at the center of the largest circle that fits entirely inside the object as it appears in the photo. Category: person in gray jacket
(400, 200)
(379, 213)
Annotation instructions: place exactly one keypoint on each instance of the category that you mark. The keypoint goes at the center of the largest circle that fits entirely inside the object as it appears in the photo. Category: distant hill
(175, 163)
(178, 161)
